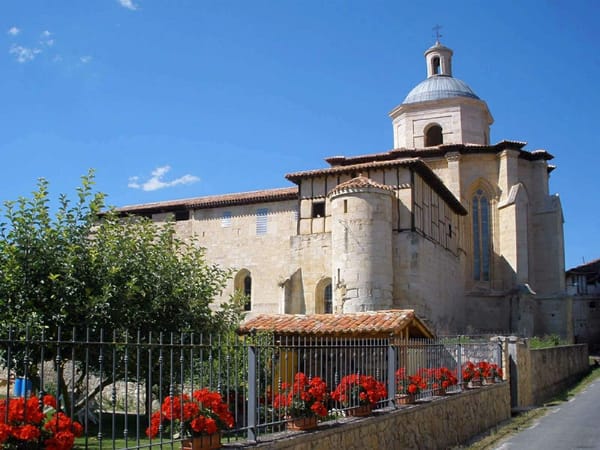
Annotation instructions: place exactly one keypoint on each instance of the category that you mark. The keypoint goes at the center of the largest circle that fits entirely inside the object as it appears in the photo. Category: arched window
(248, 292)
(324, 297)
(436, 68)
(243, 283)
(433, 136)
(481, 236)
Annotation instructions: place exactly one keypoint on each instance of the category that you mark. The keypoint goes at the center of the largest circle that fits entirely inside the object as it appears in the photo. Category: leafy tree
(81, 268)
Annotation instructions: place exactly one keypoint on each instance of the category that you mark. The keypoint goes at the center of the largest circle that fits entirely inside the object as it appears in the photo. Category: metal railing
(112, 384)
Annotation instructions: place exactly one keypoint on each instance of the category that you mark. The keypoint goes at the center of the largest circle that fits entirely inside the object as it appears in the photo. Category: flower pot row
(306, 398)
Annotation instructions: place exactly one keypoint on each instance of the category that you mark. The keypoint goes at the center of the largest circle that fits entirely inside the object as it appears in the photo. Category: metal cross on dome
(438, 35)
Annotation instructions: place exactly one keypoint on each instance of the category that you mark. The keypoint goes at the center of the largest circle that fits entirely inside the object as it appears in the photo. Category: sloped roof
(590, 270)
(416, 164)
(359, 182)
(385, 323)
(440, 151)
(241, 198)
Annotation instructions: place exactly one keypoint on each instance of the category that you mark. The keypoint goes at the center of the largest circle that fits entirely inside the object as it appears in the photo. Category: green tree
(73, 269)
(81, 268)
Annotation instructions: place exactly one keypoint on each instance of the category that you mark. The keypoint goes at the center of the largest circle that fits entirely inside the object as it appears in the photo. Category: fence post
(391, 373)
(459, 363)
(252, 397)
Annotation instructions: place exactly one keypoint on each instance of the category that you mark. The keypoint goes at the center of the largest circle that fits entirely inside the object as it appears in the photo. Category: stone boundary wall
(556, 368)
(440, 424)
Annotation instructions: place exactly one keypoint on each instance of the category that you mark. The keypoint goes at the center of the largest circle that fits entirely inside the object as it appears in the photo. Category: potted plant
(493, 371)
(409, 386)
(303, 401)
(443, 378)
(26, 425)
(470, 374)
(359, 392)
(198, 419)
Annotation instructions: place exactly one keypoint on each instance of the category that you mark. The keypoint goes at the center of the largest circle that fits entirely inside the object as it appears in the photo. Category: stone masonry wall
(555, 368)
(439, 424)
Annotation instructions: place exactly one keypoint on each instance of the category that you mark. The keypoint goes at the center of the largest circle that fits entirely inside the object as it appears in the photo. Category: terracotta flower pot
(360, 411)
(204, 442)
(301, 423)
(405, 399)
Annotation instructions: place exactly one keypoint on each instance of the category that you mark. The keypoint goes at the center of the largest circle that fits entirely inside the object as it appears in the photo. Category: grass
(526, 419)
(552, 340)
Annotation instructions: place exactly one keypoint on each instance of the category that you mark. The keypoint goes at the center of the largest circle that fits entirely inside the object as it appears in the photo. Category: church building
(460, 230)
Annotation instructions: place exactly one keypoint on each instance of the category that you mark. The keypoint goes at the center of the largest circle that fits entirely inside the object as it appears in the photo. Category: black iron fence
(113, 384)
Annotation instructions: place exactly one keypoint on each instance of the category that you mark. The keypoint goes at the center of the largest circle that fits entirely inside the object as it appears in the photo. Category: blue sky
(185, 98)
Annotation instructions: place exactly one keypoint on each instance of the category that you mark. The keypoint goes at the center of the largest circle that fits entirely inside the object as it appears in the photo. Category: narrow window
(436, 68)
(434, 136)
(328, 300)
(345, 206)
(261, 221)
(226, 219)
(248, 292)
(481, 237)
(318, 209)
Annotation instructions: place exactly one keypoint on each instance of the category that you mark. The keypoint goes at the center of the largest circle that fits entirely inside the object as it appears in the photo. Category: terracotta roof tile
(358, 183)
(440, 150)
(372, 323)
(241, 198)
(416, 164)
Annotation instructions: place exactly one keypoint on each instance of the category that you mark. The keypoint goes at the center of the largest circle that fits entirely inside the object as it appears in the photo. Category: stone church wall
(231, 240)
(428, 279)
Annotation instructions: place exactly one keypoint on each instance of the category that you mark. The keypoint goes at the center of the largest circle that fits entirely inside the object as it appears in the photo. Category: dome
(439, 87)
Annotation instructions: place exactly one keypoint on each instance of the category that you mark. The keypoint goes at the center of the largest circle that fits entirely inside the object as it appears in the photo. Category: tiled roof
(589, 268)
(372, 323)
(358, 183)
(441, 150)
(213, 201)
(416, 164)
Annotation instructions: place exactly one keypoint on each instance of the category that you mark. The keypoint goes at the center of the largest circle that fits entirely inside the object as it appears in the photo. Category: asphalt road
(571, 425)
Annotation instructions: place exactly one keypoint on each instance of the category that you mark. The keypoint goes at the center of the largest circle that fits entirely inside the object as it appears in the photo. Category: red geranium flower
(305, 397)
(202, 413)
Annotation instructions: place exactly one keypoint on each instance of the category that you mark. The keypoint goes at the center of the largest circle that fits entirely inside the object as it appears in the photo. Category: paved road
(571, 425)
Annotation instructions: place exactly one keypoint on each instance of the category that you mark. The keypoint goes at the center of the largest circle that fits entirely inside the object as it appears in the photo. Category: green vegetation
(552, 340)
(83, 269)
(70, 268)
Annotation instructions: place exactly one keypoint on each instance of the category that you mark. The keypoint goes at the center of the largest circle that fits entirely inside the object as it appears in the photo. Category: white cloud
(128, 4)
(85, 59)
(45, 39)
(23, 54)
(156, 181)
(14, 31)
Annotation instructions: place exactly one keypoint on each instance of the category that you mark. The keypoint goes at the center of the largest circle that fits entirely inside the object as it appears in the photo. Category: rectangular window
(261, 221)
(226, 219)
(182, 215)
(318, 209)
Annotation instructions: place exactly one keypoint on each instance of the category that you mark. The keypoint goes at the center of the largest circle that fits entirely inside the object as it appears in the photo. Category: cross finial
(438, 35)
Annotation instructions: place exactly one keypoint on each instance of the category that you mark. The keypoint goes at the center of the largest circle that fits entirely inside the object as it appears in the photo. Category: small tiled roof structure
(360, 182)
(386, 323)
